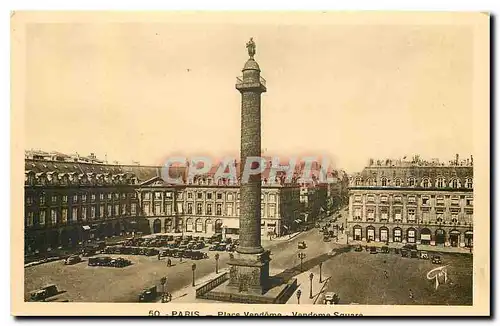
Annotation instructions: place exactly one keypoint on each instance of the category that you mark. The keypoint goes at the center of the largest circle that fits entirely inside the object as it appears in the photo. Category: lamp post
(311, 276)
(163, 281)
(301, 257)
(193, 268)
(298, 296)
(320, 278)
(216, 263)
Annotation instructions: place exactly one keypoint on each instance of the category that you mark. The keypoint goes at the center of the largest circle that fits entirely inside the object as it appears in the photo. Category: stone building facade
(208, 207)
(67, 202)
(413, 202)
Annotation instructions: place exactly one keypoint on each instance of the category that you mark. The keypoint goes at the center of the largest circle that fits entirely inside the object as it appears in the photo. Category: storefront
(397, 235)
(469, 243)
(357, 233)
(370, 233)
(454, 238)
(425, 236)
(411, 235)
(384, 234)
(231, 225)
(440, 236)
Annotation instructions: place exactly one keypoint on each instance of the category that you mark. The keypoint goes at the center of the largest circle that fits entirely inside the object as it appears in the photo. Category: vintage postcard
(240, 164)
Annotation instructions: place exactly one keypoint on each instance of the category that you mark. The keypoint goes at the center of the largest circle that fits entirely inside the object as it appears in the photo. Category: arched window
(372, 182)
(358, 181)
(440, 182)
(468, 183)
(384, 182)
(426, 183)
(397, 182)
(455, 183)
(411, 182)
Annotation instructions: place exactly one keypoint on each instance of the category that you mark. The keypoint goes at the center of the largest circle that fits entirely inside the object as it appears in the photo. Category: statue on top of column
(251, 48)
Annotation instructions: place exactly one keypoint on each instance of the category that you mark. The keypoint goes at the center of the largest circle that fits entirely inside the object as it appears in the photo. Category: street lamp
(193, 268)
(320, 265)
(298, 296)
(216, 263)
(311, 276)
(163, 281)
(301, 257)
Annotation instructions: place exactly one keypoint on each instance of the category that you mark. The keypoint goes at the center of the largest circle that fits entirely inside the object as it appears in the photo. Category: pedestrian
(159, 256)
(169, 262)
(410, 294)
(385, 273)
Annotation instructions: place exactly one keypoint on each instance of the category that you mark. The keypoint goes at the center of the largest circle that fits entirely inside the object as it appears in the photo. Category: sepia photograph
(250, 164)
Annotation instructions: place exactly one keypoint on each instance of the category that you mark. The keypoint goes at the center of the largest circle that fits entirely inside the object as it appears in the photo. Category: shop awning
(86, 227)
(231, 223)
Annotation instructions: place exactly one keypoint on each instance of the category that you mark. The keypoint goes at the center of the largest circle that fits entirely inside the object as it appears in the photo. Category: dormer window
(397, 182)
(411, 182)
(455, 183)
(426, 183)
(468, 183)
(440, 182)
(384, 182)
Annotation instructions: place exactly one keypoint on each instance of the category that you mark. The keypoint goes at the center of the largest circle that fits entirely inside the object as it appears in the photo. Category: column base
(249, 273)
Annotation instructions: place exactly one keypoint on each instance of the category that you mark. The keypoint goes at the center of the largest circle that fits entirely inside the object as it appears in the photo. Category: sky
(147, 91)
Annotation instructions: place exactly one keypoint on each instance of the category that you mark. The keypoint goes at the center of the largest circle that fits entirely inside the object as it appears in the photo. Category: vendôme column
(250, 86)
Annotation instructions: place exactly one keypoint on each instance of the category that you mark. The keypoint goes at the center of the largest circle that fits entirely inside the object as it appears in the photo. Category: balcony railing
(239, 81)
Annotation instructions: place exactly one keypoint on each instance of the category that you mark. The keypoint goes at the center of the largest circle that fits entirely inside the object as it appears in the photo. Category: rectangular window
(180, 208)
(469, 201)
(190, 195)
(384, 199)
(92, 197)
(262, 210)
(101, 196)
(230, 196)
(199, 208)
(29, 200)
(147, 195)
(439, 200)
(190, 208)
(357, 198)
(272, 211)
(168, 209)
(29, 219)
(357, 213)
(64, 199)
(218, 209)
(157, 209)
(42, 200)
(124, 209)
(370, 214)
(41, 220)
(383, 235)
(455, 201)
(384, 215)
(74, 214)
(398, 199)
(84, 213)
(101, 211)
(370, 198)
(110, 211)
(117, 210)
(92, 212)
(157, 195)
(133, 208)
(272, 198)
(209, 195)
(397, 235)
(199, 195)
(54, 198)
(209, 209)
(397, 215)
(53, 217)
(425, 200)
(110, 195)
(75, 198)
(168, 194)
(425, 217)
(229, 209)
(133, 195)
(219, 196)
(237, 210)
(117, 195)
(411, 200)
(411, 215)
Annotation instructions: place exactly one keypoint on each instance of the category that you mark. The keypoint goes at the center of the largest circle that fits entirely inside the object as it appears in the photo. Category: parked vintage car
(99, 261)
(424, 255)
(302, 245)
(148, 295)
(326, 238)
(405, 253)
(384, 250)
(331, 298)
(373, 250)
(120, 262)
(436, 260)
(73, 259)
(44, 292)
(410, 246)
(358, 248)
(413, 253)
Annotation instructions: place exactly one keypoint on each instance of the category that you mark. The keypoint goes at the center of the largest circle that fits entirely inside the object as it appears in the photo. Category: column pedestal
(249, 273)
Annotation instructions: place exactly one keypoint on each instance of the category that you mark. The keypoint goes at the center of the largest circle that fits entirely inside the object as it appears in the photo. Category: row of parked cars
(122, 250)
(408, 251)
(170, 240)
(189, 254)
(109, 262)
(225, 245)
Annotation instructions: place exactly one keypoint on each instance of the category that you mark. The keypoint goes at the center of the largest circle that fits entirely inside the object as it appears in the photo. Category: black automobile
(73, 259)
(413, 253)
(405, 253)
(148, 295)
(373, 250)
(436, 260)
(302, 245)
(358, 248)
(385, 250)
